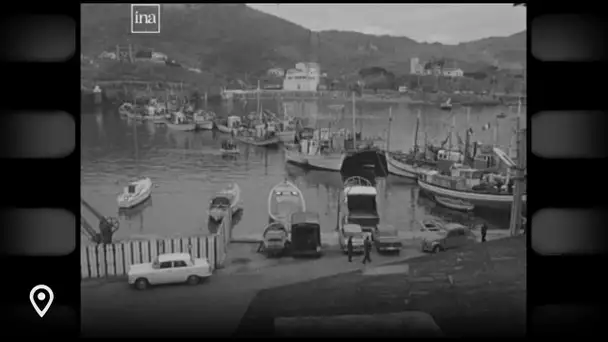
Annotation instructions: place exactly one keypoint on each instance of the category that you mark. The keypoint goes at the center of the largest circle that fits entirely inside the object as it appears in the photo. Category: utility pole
(516, 207)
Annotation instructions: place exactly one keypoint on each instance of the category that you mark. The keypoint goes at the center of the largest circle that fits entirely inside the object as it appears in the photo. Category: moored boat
(228, 198)
(135, 193)
(179, 122)
(284, 199)
(447, 105)
(203, 119)
(466, 185)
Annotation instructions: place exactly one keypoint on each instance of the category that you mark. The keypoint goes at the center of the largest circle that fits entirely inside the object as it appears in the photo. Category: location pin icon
(41, 297)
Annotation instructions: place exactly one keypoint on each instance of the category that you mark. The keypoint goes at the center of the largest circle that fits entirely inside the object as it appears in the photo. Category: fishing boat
(455, 204)
(204, 119)
(467, 185)
(275, 239)
(447, 105)
(228, 198)
(315, 154)
(229, 148)
(284, 199)
(154, 112)
(126, 109)
(179, 122)
(135, 193)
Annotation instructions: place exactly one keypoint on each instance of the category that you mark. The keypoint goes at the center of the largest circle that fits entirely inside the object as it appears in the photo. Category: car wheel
(437, 249)
(141, 284)
(193, 280)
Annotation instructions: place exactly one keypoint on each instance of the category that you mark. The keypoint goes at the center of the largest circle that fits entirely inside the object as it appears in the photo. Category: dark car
(305, 234)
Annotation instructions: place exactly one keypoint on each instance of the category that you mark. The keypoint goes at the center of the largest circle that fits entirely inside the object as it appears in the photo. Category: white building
(416, 68)
(304, 77)
(453, 72)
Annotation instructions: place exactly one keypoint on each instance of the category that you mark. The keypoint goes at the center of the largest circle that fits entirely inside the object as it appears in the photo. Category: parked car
(169, 269)
(454, 235)
(387, 241)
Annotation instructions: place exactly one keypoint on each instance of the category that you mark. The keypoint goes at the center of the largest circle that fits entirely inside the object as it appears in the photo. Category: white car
(169, 269)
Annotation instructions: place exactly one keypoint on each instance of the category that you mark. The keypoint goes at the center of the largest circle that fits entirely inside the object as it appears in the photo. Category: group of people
(367, 248)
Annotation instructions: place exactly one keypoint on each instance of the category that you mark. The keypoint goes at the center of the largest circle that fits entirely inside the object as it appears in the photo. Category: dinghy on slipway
(284, 199)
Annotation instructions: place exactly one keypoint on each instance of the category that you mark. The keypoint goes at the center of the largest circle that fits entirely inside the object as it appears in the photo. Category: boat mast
(354, 122)
(467, 139)
(136, 149)
(388, 133)
(258, 107)
(416, 129)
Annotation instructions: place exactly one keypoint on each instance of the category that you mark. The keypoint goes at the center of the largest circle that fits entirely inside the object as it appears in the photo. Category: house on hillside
(276, 72)
(416, 67)
(304, 77)
(453, 72)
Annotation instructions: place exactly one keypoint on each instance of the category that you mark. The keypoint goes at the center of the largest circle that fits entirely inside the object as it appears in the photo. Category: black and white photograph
(303, 170)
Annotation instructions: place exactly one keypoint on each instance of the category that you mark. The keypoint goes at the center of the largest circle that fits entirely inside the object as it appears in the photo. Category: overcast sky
(447, 24)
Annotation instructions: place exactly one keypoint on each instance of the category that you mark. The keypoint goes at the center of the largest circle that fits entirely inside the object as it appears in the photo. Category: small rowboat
(456, 204)
(285, 199)
(263, 142)
(229, 148)
(135, 193)
(228, 198)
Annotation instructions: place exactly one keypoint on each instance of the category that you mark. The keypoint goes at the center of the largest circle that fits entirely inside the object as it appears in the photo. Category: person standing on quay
(367, 248)
(349, 248)
(484, 230)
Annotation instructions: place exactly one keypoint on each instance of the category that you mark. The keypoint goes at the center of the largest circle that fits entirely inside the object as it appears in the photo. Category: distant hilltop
(234, 39)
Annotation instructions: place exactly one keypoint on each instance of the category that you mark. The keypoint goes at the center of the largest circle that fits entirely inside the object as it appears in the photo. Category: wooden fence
(99, 261)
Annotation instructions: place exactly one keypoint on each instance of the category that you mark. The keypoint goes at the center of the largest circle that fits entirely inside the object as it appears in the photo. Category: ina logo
(145, 18)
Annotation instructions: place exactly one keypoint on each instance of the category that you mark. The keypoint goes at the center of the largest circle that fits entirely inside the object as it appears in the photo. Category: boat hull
(127, 202)
(207, 125)
(329, 163)
(498, 201)
(181, 127)
(295, 157)
(454, 204)
(230, 152)
(223, 128)
(400, 169)
(263, 143)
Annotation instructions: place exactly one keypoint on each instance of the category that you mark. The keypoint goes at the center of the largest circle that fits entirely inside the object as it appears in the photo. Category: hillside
(233, 39)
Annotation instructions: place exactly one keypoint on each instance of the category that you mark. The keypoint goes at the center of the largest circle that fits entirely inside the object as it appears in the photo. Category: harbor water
(187, 168)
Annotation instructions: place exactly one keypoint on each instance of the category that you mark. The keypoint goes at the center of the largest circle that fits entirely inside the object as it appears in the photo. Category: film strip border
(568, 120)
(40, 161)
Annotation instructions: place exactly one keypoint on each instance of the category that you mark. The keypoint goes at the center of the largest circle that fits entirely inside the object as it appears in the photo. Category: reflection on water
(187, 169)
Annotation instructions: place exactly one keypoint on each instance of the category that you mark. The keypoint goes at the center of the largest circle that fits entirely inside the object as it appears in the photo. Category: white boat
(308, 153)
(228, 198)
(456, 204)
(284, 199)
(293, 156)
(135, 193)
(231, 124)
(179, 122)
(204, 120)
